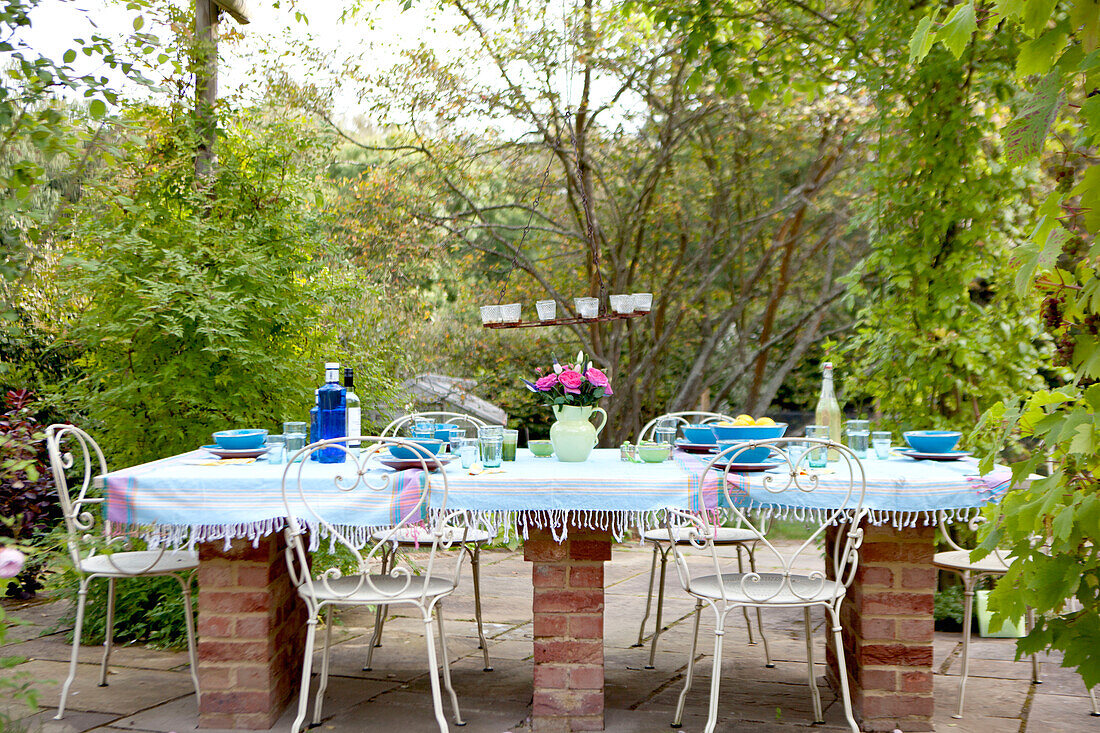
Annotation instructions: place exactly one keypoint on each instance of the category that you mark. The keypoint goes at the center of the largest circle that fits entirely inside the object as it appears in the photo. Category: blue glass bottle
(331, 414)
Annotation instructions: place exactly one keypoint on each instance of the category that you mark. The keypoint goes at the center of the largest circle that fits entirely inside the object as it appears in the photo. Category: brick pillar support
(251, 634)
(568, 629)
(887, 618)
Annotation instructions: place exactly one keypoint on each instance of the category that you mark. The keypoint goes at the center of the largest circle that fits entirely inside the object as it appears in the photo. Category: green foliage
(948, 604)
(939, 334)
(199, 303)
(1050, 525)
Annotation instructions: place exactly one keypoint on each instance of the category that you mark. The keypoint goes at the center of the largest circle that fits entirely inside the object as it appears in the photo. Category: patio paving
(151, 690)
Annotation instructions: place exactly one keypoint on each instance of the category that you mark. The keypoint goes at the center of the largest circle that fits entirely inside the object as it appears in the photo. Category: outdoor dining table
(569, 516)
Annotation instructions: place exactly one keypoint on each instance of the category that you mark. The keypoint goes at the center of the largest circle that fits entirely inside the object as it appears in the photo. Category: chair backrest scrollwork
(452, 418)
(846, 490)
(362, 472)
(688, 417)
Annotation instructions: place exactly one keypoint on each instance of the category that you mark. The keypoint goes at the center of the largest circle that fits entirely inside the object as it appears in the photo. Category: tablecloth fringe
(516, 524)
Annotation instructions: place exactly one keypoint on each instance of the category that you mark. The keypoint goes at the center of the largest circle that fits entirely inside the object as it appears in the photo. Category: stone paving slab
(151, 691)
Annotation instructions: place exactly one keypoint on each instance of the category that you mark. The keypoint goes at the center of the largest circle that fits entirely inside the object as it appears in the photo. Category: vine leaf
(1025, 134)
(958, 28)
(921, 42)
(1038, 257)
(1037, 55)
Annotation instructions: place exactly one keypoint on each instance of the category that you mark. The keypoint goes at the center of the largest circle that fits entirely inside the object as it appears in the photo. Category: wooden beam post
(206, 83)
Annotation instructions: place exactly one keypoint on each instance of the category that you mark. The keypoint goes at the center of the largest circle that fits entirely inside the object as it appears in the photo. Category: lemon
(724, 423)
(765, 421)
(742, 420)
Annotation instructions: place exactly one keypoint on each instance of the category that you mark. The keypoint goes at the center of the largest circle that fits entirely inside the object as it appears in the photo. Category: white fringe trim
(520, 524)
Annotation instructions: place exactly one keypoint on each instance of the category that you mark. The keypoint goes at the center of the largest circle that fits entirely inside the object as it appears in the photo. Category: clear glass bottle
(828, 409)
(331, 414)
(353, 407)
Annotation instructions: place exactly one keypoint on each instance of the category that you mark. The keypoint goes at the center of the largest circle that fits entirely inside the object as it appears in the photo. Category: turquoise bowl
(932, 441)
(431, 445)
(749, 432)
(753, 455)
(699, 434)
(242, 439)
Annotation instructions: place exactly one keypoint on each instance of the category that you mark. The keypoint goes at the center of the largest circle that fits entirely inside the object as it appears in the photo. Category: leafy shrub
(947, 609)
(28, 498)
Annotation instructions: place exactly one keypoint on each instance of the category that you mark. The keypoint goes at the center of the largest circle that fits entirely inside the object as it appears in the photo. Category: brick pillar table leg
(568, 629)
(251, 634)
(887, 618)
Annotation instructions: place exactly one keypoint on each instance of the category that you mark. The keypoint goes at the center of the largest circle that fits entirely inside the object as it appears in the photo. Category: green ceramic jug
(573, 434)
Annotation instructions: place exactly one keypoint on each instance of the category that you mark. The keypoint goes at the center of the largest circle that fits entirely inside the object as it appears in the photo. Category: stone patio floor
(151, 690)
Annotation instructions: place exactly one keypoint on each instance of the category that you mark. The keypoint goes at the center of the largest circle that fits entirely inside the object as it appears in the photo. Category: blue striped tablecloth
(197, 503)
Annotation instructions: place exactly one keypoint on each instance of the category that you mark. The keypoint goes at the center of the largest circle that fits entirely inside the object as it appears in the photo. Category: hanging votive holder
(546, 309)
(622, 303)
(509, 313)
(643, 302)
(587, 307)
(490, 314)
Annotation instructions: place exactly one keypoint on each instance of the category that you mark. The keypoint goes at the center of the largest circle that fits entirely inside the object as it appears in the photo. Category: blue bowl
(932, 441)
(753, 455)
(242, 439)
(749, 432)
(443, 431)
(431, 445)
(699, 434)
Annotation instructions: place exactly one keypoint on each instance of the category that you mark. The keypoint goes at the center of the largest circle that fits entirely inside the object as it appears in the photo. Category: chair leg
(108, 632)
(307, 669)
(744, 609)
(447, 665)
(380, 612)
(322, 684)
(842, 668)
(660, 609)
(189, 622)
(475, 570)
(814, 692)
(716, 674)
(1030, 619)
(968, 613)
(81, 599)
(433, 671)
(691, 668)
(760, 617)
(649, 596)
(1095, 710)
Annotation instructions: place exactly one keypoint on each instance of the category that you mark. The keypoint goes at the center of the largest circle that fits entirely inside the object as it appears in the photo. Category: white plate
(235, 452)
(949, 456)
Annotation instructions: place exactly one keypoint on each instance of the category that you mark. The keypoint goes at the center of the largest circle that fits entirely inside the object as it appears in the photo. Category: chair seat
(771, 588)
(959, 560)
(421, 536)
(386, 589)
(724, 535)
(139, 562)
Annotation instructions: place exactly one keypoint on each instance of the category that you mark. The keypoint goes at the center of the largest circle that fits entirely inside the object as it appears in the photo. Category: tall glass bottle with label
(331, 414)
(828, 409)
(354, 409)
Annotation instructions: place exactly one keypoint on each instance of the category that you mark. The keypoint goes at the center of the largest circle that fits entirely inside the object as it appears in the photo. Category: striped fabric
(222, 502)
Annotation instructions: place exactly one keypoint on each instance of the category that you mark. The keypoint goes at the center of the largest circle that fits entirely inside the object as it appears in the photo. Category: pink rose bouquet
(579, 384)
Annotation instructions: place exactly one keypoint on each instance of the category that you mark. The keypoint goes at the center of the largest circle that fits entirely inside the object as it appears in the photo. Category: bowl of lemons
(747, 427)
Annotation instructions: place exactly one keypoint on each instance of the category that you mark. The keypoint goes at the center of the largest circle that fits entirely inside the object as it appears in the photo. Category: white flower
(11, 562)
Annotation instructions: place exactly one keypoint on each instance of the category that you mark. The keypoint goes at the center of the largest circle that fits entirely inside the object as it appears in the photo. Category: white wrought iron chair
(472, 543)
(741, 538)
(994, 565)
(725, 591)
(372, 583)
(107, 553)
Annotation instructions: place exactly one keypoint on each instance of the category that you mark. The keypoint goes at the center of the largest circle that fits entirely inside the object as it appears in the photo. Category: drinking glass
(880, 441)
(818, 455)
(511, 437)
(422, 429)
(467, 451)
(665, 432)
(295, 433)
(457, 436)
(859, 433)
(547, 309)
(587, 307)
(276, 449)
(491, 438)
